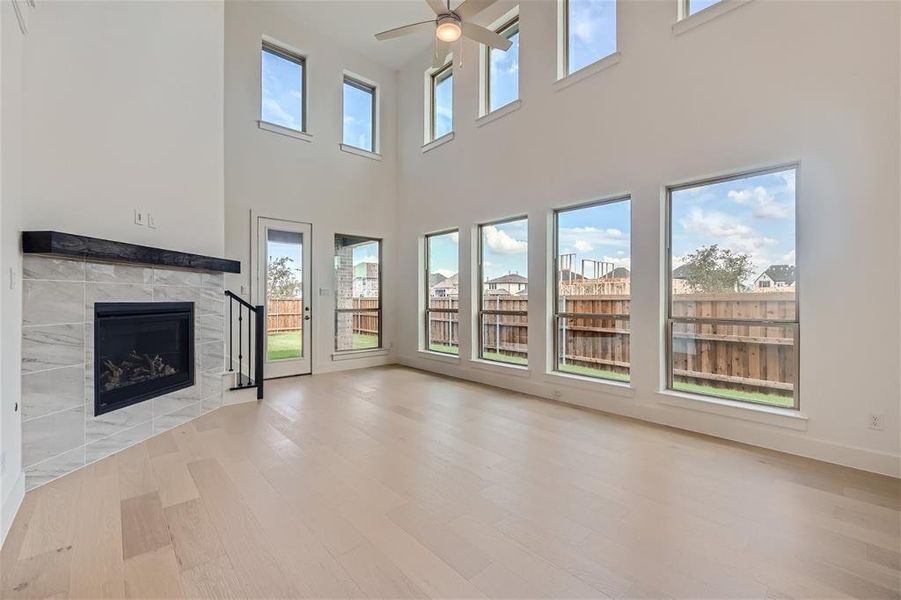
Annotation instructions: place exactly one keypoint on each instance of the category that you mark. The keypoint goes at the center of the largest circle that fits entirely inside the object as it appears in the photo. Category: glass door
(283, 249)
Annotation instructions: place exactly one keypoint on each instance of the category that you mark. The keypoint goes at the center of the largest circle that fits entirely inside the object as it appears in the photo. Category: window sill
(708, 14)
(286, 131)
(499, 367)
(360, 152)
(439, 142)
(497, 113)
(616, 388)
(355, 354)
(440, 356)
(587, 71)
(768, 415)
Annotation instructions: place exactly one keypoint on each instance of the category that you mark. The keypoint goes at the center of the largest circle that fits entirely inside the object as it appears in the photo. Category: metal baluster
(240, 346)
(231, 341)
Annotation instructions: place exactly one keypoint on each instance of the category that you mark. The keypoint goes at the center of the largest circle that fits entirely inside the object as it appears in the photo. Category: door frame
(257, 284)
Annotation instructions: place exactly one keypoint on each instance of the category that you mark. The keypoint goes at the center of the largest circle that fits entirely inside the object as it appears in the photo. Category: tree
(282, 280)
(713, 269)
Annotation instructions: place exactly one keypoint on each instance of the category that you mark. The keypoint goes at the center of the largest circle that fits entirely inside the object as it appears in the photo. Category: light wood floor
(392, 483)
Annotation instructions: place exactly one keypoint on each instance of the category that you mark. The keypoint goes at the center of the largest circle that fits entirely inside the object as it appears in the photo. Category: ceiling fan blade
(442, 49)
(438, 6)
(485, 36)
(405, 30)
(471, 8)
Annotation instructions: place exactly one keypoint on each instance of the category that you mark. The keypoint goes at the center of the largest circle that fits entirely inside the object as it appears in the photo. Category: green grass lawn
(593, 372)
(444, 348)
(758, 397)
(285, 345)
(505, 358)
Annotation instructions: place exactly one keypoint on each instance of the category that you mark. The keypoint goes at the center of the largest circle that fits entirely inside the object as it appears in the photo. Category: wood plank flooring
(394, 483)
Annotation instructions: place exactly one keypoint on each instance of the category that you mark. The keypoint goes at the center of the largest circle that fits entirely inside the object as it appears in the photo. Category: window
(502, 69)
(283, 88)
(358, 286)
(730, 332)
(503, 319)
(593, 290)
(442, 292)
(441, 100)
(359, 114)
(590, 32)
(691, 7)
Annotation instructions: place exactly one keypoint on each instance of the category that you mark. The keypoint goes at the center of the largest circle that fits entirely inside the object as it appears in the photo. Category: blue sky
(504, 74)
(753, 215)
(358, 117)
(444, 106)
(282, 91)
(601, 232)
(592, 31)
(505, 249)
(444, 254)
(696, 5)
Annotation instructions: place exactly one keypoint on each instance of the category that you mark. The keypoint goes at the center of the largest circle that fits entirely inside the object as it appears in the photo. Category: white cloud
(713, 223)
(446, 272)
(455, 237)
(619, 261)
(765, 204)
(789, 178)
(272, 108)
(500, 242)
(582, 246)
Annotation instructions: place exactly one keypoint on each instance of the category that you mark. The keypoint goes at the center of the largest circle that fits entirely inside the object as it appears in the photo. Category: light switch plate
(139, 218)
(151, 221)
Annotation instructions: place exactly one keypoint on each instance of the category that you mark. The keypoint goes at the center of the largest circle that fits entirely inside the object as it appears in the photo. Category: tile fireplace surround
(60, 432)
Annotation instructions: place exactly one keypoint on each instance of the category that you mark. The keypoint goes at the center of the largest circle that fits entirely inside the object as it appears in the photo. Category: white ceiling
(354, 23)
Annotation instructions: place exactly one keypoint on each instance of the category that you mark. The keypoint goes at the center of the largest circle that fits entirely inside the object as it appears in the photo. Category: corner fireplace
(141, 350)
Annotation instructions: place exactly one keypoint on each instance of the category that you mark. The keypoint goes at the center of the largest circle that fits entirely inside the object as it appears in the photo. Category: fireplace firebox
(141, 350)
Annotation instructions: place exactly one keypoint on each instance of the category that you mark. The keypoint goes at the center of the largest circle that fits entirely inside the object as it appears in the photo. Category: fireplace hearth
(141, 350)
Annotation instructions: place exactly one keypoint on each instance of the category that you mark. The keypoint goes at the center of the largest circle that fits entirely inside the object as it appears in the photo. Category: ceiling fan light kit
(448, 29)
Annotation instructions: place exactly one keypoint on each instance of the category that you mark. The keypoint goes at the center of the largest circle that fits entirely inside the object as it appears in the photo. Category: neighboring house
(435, 279)
(618, 273)
(446, 288)
(366, 280)
(776, 278)
(511, 283)
(568, 275)
(680, 280)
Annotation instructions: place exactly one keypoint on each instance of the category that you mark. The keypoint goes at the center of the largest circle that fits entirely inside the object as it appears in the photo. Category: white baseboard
(729, 428)
(11, 506)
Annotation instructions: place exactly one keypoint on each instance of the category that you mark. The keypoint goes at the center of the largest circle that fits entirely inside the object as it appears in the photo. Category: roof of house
(780, 273)
(449, 282)
(509, 278)
(618, 273)
(569, 275)
(680, 272)
(436, 278)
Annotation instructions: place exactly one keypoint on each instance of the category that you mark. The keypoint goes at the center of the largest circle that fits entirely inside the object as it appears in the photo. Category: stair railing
(255, 330)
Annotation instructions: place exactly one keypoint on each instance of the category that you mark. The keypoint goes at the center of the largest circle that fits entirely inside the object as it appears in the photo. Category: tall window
(283, 88)
(502, 68)
(732, 313)
(590, 32)
(359, 114)
(593, 291)
(442, 101)
(504, 291)
(442, 292)
(358, 286)
(690, 7)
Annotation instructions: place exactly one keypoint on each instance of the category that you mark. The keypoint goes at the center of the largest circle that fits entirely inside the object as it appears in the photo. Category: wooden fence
(747, 358)
(286, 314)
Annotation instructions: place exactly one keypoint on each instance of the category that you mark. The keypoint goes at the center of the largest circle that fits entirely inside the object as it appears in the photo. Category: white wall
(124, 105)
(767, 83)
(313, 182)
(12, 481)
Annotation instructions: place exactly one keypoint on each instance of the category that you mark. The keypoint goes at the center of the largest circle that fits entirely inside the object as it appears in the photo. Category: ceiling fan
(449, 25)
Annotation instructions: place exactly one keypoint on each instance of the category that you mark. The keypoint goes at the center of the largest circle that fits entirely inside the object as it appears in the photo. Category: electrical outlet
(140, 219)
(151, 221)
(876, 422)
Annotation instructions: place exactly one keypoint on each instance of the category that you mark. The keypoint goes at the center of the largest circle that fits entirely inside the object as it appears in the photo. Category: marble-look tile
(114, 273)
(211, 403)
(176, 277)
(57, 269)
(52, 391)
(214, 281)
(211, 302)
(52, 468)
(211, 328)
(177, 294)
(53, 434)
(176, 400)
(113, 292)
(211, 384)
(111, 423)
(114, 443)
(51, 302)
(212, 357)
(50, 346)
(176, 418)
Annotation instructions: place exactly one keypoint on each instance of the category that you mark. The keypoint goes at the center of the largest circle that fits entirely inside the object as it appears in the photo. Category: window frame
(297, 58)
(669, 320)
(557, 315)
(447, 68)
(481, 291)
(507, 25)
(428, 309)
(563, 60)
(373, 90)
(377, 311)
